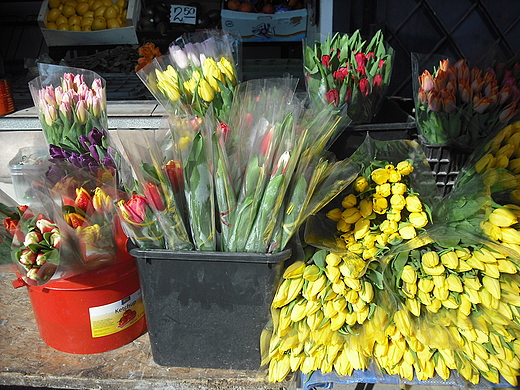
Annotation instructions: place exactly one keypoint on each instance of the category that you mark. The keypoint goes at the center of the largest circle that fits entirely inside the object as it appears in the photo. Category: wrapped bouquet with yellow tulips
(403, 288)
(198, 72)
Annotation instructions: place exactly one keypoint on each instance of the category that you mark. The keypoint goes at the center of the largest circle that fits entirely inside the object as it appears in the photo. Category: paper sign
(183, 14)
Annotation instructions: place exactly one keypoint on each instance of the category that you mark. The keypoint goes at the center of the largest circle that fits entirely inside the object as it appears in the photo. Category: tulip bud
(388, 227)
(454, 283)
(360, 184)
(492, 285)
(46, 226)
(81, 112)
(413, 203)
(27, 257)
(351, 215)
(486, 162)
(430, 259)
(361, 228)
(503, 217)
(510, 235)
(404, 168)
(32, 237)
(379, 205)
(349, 201)
(506, 266)
(419, 219)
(205, 90)
(408, 232)
(380, 176)
(334, 214)
(397, 202)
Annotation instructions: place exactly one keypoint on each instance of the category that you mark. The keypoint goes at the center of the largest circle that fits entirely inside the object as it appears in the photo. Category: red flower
(332, 96)
(173, 171)
(340, 74)
(83, 199)
(134, 209)
(325, 60)
(378, 80)
(46, 226)
(348, 95)
(364, 87)
(361, 60)
(154, 196)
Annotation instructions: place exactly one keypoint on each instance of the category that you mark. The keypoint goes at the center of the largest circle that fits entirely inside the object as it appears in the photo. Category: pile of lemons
(86, 15)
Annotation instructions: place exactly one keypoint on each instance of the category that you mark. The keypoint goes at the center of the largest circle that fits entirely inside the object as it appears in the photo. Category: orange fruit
(68, 10)
(113, 23)
(99, 23)
(53, 14)
(82, 8)
(54, 3)
(110, 13)
(99, 11)
(64, 27)
(51, 26)
(61, 20)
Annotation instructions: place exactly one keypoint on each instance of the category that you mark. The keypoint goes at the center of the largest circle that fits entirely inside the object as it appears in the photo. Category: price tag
(183, 14)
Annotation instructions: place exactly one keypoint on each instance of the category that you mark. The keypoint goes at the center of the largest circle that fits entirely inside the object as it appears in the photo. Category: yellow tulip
(388, 227)
(360, 184)
(399, 188)
(394, 176)
(365, 208)
(205, 91)
(430, 259)
(397, 202)
(413, 203)
(361, 228)
(454, 284)
(486, 162)
(404, 168)
(510, 235)
(228, 69)
(425, 285)
(333, 259)
(408, 232)
(503, 217)
(492, 285)
(295, 270)
(379, 175)
(409, 275)
(418, 220)
(343, 227)
(349, 201)
(334, 214)
(450, 260)
(351, 215)
(383, 190)
(506, 266)
(379, 205)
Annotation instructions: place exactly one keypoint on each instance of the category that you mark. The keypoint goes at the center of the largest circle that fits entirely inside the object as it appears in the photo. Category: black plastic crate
(446, 163)
(207, 309)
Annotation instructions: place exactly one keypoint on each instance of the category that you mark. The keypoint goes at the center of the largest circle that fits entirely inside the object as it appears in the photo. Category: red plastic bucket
(94, 312)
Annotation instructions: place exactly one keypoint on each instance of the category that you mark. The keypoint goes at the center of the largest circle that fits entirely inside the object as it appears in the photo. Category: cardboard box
(258, 27)
(116, 36)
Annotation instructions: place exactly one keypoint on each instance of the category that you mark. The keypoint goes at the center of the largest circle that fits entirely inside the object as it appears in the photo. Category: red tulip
(173, 171)
(75, 220)
(46, 226)
(83, 200)
(325, 60)
(154, 196)
(332, 96)
(134, 210)
(364, 87)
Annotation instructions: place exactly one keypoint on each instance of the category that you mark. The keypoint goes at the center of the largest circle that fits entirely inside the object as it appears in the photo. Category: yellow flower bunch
(380, 210)
(314, 310)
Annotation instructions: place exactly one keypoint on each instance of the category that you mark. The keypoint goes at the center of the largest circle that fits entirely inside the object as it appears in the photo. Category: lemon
(64, 27)
(75, 19)
(88, 14)
(61, 20)
(54, 3)
(113, 23)
(96, 4)
(82, 8)
(99, 23)
(100, 11)
(86, 22)
(121, 4)
(72, 3)
(75, 27)
(86, 28)
(108, 3)
(53, 14)
(51, 26)
(68, 10)
(110, 13)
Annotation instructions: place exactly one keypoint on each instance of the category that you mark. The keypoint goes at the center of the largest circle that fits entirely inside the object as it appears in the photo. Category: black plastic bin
(207, 309)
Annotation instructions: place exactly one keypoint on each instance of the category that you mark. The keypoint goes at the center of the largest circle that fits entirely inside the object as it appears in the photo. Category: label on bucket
(117, 316)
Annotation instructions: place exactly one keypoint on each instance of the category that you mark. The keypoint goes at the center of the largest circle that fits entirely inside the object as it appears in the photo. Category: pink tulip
(421, 95)
(66, 110)
(434, 103)
(134, 209)
(82, 112)
(51, 114)
(67, 82)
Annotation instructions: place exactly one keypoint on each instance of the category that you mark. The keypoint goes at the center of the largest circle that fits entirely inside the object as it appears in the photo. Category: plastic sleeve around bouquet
(347, 69)
(70, 103)
(151, 214)
(260, 143)
(456, 105)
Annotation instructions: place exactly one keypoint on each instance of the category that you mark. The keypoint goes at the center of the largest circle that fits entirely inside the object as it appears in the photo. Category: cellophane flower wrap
(71, 102)
(198, 72)
(270, 135)
(153, 213)
(436, 298)
(459, 105)
(70, 228)
(347, 69)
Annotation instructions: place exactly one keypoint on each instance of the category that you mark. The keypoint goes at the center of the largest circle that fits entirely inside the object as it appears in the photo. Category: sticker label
(117, 316)
(183, 14)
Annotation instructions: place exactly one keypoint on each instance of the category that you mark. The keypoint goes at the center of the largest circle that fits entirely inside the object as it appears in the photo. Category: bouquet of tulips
(197, 73)
(459, 105)
(234, 184)
(348, 69)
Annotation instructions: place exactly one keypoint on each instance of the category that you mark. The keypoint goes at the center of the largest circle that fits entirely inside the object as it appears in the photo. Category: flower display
(459, 105)
(347, 69)
(197, 73)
